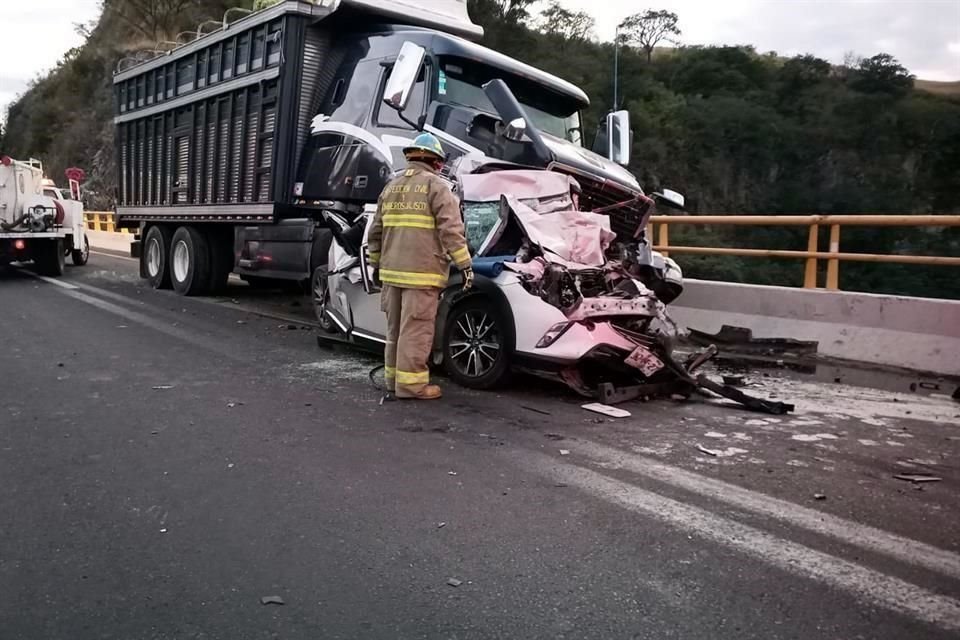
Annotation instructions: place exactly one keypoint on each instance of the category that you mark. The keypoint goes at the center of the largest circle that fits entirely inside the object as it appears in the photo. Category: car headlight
(553, 334)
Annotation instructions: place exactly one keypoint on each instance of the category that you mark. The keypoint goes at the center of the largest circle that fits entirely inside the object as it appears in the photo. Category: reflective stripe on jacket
(417, 231)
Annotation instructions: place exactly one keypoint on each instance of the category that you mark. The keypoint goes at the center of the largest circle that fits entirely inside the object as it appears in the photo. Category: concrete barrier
(916, 333)
(110, 241)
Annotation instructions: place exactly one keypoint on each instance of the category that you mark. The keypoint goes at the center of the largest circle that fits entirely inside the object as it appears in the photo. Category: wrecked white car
(557, 292)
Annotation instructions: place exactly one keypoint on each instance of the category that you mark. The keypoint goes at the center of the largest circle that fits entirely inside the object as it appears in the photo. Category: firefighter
(416, 232)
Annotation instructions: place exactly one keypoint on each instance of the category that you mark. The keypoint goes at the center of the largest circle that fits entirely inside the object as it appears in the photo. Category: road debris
(453, 582)
(271, 600)
(606, 410)
(554, 436)
(733, 381)
(441, 525)
(564, 452)
(819, 496)
(535, 410)
(709, 452)
(162, 387)
(917, 478)
(451, 473)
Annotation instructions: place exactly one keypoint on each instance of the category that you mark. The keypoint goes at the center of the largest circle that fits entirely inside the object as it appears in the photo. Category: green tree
(565, 24)
(649, 28)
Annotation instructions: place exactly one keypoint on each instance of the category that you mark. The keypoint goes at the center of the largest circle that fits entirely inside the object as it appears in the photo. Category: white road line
(862, 583)
(859, 535)
(112, 255)
(54, 281)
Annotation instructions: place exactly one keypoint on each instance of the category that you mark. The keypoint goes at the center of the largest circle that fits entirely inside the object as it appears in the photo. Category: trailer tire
(50, 258)
(80, 257)
(189, 262)
(155, 258)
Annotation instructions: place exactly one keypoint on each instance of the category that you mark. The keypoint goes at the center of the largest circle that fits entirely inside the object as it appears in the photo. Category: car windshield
(461, 82)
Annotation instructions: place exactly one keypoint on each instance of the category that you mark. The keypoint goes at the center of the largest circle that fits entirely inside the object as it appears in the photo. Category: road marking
(113, 255)
(852, 533)
(54, 281)
(863, 583)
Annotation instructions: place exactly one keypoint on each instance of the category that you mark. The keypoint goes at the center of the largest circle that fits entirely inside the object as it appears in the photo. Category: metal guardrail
(102, 221)
(812, 255)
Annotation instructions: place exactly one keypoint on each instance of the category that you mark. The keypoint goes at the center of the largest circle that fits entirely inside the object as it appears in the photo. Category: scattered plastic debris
(564, 452)
(271, 600)
(917, 478)
(453, 582)
(709, 452)
(162, 387)
(819, 496)
(606, 410)
(441, 525)
(451, 473)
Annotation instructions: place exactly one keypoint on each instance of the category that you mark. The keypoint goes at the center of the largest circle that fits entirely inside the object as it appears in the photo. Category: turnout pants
(411, 318)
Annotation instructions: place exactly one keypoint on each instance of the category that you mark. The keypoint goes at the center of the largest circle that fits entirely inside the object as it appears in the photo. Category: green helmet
(425, 143)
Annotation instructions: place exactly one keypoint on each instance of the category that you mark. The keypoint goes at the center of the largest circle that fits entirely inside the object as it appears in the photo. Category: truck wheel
(221, 259)
(80, 257)
(154, 262)
(189, 262)
(50, 258)
(476, 353)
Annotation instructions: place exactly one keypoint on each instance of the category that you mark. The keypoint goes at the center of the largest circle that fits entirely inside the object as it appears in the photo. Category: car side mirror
(618, 137)
(366, 271)
(671, 199)
(403, 78)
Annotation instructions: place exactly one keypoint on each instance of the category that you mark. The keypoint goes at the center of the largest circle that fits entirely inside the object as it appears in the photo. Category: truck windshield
(461, 82)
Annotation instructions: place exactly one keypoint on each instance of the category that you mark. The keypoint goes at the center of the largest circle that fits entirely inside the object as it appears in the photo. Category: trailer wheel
(154, 260)
(50, 258)
(80, 257)
(189, 262)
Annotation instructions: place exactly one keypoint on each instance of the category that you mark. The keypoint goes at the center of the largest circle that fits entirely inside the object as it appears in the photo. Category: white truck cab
(38, 220)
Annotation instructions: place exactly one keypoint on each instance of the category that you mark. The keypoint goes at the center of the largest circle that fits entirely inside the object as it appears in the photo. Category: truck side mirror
(403, 78)
(670, 198)
(618, 137)
(515, 129)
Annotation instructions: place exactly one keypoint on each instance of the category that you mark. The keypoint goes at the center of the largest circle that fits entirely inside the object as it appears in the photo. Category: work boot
(429, 392)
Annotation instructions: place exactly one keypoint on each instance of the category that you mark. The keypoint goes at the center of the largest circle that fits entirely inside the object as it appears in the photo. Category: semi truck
(38, 221)
(231, 147)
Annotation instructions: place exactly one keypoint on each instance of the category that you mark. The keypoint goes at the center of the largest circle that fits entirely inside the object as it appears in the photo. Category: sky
(923, 34)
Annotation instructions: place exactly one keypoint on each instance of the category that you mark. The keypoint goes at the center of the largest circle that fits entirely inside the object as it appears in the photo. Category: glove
(467, 278)
(376, 277)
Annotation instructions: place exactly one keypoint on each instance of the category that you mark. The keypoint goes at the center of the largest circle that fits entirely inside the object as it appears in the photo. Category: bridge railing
(812, 255)
(102, 221)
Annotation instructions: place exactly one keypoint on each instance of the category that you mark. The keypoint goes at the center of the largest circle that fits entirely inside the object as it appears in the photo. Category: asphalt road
(165, 463)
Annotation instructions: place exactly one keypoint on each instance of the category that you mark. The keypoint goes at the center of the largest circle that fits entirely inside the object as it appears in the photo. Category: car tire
(50, 258)
(154, 259)
(80, 257)
(476, 350)
(320, 296)
(189, 262)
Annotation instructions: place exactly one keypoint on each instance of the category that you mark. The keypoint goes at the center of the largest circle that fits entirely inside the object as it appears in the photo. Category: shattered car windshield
(461, 82)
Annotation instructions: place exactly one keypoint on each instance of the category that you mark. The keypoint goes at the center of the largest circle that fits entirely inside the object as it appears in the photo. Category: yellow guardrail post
(833, 264)
(810, 273)
(664, 238)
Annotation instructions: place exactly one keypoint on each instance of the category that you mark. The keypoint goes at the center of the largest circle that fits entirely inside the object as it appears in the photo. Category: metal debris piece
(564, 452)
(453, 582)
(917, 478)
(535, 410)
(709, 452)
(271, 600)
(819, 496)
(606, 410)
(741, 340)
(733, 381)
(754, 404)
(441, 525)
